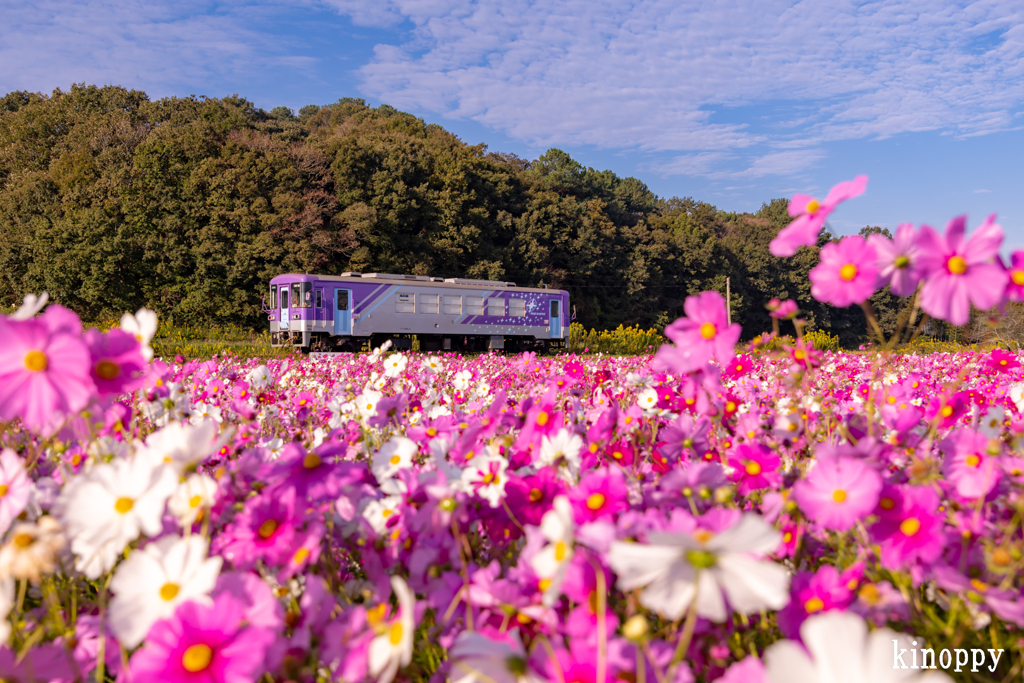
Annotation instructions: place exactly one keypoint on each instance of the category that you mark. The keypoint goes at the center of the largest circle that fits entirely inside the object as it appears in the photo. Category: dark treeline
(111, 201)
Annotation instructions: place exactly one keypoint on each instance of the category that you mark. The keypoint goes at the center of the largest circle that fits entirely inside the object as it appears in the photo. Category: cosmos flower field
(716, 511)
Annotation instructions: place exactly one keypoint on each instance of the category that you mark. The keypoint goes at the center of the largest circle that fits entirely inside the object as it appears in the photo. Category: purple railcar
(353, 311)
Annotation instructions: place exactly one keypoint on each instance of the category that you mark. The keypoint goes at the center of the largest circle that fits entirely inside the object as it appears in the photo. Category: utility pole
(728, 301)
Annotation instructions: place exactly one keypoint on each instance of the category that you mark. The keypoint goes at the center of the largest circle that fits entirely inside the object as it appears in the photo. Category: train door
(343, 311)
(555, 320)
(285, 312)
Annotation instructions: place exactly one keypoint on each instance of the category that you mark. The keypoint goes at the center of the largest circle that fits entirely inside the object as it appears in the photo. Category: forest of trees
(111, 201)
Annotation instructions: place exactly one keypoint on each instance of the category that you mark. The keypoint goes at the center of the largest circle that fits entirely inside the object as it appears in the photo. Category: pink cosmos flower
(44, 368)
(15, 488)
(838, 492)
(783, 310)
(705, 333)
(847, 273)
(117, 362)
(202, 644)
(969, 466)
(822, 591)
(908, 529)
(264, 529)
(897, 260)
(1015, 274)
(1002, 361)
(810, 216)
(959, 273)
(601, 493)
(754, 467)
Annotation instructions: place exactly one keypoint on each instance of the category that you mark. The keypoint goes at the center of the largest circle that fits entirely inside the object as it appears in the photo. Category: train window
(554, 308)
(319, 298)
(284, 297)
(405, 303)
(517, 308)
(428, 303)
(296, 295)
(452, 304)
(342, 298)
(273, 296)
(307, 295)
(496, 308)
(474, 305)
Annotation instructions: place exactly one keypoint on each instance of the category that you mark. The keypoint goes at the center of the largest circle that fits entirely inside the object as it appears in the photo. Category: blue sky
(729, 101)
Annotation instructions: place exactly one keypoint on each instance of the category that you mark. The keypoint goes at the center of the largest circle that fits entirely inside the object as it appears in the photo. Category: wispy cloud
(649, 75)
(982, 191)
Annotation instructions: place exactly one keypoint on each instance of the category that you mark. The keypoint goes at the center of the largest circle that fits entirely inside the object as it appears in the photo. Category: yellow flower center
(972, 460)
(395, 634)
(431, 432)
(488, 478)
(311, 461)
(544, 584)
(197, 658)
(708, 330)
(560, 551)
(887, 503)
(869, 593)
(169, 591)
(542, 419)
(195, 501)
(36, 361)
(910, 526)
(848, 272)
(901, 261)
(535, 495)
(268, 528)
(947, 411)
(395, 460)
(730, 407)
(1018, 277)
(3, 490)
(107, 369)
(300, 556)
(814, 605)
(753, 468)
(799, 354)
(979, 586)
(813, 206)
(22, 540)
(124, 505)
(839, 496)
(956, 265)
(595, 501)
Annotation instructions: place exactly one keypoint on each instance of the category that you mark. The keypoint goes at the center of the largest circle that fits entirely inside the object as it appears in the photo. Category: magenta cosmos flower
(810, 216)
(908, 528)
(898, 266)
(968, 466)
(44, 368)
(202, 644)
(117, 363)
(847, 273)
(838, 492)
(959, 273)
(601, 493)
(705, 332)
(754, 467)
(1015, 273)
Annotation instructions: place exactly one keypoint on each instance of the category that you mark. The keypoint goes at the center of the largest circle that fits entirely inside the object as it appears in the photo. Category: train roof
(418, 280)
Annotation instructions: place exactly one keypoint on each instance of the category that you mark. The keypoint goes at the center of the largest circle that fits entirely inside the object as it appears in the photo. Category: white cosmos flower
(152, 582)
(991, 423)
(183, 446)
(366, 403)
(377, 512)
(31, 305)
(395, 455)
(259, 377)
(203, 412)
(838, 649)
(648, 399)
(392, 647)
(432, 365)
(462, 379)
(394, 365)
(485, 476)
(192, 497)
(677, 568)
(274, 448)
(478, 659)
(558, 528)
(142, 326)
(31, 549)
(107, 508)
(565, 447)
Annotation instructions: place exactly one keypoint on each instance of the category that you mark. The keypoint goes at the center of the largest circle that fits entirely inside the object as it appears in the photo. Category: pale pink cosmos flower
(847, 273)
(810, 216)
(969, 466)
(44, 368)
(705, 332)
(897, 260)
(15, 488)
(838, 492)
(959, 273)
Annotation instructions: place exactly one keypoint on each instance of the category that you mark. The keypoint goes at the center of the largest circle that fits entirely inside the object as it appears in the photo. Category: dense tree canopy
(111, 201)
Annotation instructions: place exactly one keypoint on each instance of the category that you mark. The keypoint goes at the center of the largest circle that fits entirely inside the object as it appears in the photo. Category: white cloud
(648, 75)
(982, 191)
